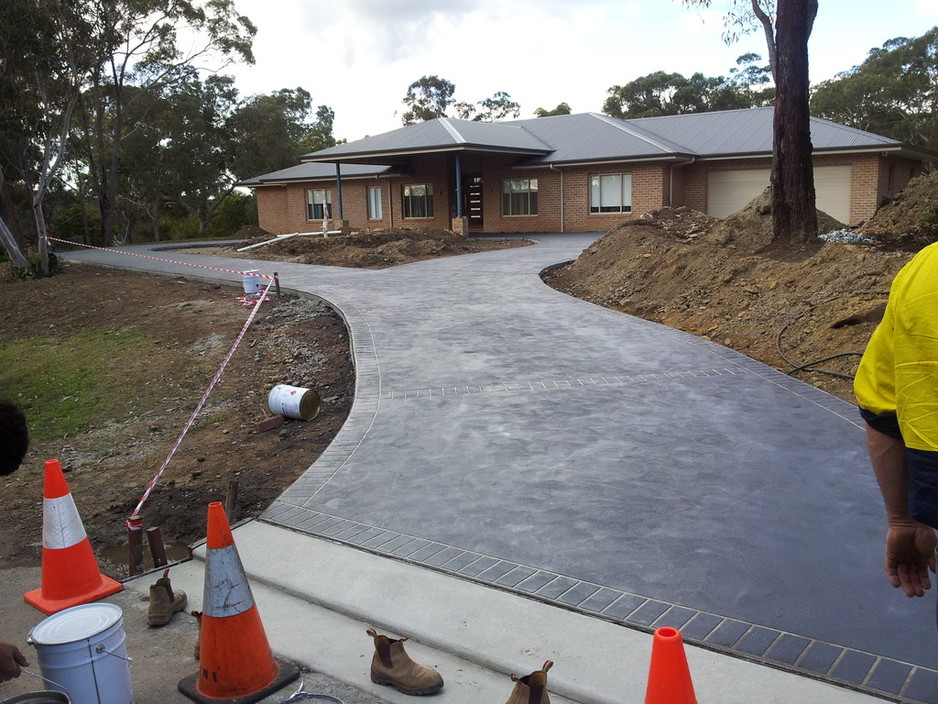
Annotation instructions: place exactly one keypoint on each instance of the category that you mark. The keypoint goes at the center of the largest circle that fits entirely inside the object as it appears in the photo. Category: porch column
(460, 224)
(458, 185)
(338, 185)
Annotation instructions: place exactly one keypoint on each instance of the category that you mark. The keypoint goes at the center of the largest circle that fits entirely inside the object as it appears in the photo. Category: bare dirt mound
(910, 220)
(369, 249)
(715, 279)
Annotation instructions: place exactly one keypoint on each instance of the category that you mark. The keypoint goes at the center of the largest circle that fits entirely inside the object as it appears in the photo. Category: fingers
(20, 658)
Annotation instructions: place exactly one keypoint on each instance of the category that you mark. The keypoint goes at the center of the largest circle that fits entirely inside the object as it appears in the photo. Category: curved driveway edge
(511, 435)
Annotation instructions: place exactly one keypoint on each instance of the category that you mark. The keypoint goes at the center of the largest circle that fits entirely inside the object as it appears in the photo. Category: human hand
(910, 553)
(11, 659)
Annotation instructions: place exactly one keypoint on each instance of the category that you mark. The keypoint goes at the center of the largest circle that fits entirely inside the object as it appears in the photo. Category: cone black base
(285, 675)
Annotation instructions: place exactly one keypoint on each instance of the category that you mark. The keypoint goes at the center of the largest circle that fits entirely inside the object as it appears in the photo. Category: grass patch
(64, 385)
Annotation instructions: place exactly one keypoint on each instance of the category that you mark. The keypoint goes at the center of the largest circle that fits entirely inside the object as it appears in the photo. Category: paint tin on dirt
(293, 402)
(82, 651)
(251, 281)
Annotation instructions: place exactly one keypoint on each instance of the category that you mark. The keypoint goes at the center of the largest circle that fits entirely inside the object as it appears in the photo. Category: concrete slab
(317, 598)
(591, 461)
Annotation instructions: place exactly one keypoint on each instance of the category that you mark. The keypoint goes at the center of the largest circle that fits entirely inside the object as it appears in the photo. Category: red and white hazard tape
(198, 408)
(161, 259)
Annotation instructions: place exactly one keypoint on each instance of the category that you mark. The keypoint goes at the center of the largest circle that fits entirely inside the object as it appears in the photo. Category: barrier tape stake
(134, 545)
(157, 549)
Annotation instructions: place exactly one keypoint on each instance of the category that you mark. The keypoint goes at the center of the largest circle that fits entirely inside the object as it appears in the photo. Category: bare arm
(910, 545)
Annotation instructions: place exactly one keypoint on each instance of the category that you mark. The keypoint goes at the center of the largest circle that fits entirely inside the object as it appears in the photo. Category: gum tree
(787, 26)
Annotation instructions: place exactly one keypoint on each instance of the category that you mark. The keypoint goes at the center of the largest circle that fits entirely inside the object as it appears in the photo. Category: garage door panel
(730, 191)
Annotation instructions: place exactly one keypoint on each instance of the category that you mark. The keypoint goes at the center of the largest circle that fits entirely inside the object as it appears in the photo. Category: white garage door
(729, 191)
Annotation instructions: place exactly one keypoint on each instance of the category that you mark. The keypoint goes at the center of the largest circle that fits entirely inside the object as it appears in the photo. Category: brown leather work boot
(164, 602)
(391, 665)
(531, 689)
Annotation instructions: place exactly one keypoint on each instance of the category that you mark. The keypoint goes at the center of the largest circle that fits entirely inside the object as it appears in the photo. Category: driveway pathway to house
(509, 434)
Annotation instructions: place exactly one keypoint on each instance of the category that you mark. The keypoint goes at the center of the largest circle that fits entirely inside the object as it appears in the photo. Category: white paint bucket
(293, 402)
(251, 281)
(82, 651)
(43, 697)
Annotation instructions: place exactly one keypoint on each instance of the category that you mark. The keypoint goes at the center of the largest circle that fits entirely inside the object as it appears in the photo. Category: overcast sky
(359, 56)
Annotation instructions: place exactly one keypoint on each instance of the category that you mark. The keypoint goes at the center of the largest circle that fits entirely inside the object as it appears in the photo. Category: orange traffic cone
(70, 573)
(235, 662)
(668, 676)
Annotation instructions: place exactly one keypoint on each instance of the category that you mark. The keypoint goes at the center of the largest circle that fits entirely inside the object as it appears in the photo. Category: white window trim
(370, 202)
(529, 191)
(622, 211)
(429, 195)
(310, 202)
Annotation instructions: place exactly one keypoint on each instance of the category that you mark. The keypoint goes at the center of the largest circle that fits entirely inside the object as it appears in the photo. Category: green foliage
(894, 92)
(235, 211)
(561, 109)
(76, 222)
(662, 93)
(427, 99)
(62, 384)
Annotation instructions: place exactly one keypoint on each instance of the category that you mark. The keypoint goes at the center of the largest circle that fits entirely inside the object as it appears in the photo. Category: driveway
(506, 433)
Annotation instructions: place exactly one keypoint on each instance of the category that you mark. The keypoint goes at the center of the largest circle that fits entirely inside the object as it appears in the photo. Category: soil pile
(811, 305)
(910, 220)
(368, 249)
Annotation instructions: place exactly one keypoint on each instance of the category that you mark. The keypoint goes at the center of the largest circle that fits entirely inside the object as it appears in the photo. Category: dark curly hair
(14, 438)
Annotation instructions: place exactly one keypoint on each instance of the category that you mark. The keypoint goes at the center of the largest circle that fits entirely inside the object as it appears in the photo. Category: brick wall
(282, 208)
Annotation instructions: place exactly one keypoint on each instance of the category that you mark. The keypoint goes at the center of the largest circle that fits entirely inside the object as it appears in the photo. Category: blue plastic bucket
(82, 651)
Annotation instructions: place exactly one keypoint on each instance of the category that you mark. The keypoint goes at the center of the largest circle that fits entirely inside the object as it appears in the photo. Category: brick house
(571, 173)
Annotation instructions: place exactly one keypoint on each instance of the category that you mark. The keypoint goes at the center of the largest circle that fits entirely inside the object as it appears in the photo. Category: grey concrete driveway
(509, 434)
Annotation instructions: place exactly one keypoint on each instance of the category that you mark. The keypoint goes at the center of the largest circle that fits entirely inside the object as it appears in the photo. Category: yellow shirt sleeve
(899, 370)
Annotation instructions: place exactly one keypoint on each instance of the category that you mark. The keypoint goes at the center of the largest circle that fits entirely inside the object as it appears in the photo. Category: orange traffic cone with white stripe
(669, 679)
(70, 574)
(235, 662)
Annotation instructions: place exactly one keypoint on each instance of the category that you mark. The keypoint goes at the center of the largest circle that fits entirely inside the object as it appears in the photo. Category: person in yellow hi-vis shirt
(897, 389)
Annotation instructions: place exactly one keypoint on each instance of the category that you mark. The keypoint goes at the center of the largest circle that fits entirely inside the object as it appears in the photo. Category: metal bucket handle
(40, 677)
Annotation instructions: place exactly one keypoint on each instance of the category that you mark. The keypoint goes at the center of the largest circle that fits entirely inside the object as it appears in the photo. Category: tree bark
(794, 214)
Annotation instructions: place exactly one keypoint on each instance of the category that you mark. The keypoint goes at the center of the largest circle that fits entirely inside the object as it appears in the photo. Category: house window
(611, 193)
(519, 196)
(318, 204)
(375, 211)
(418, 201)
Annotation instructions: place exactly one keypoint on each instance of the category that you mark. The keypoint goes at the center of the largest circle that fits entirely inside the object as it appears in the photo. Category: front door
(474, 202)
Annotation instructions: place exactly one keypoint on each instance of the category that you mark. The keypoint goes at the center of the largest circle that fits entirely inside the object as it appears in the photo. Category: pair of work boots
(391, 665)
(164, 602)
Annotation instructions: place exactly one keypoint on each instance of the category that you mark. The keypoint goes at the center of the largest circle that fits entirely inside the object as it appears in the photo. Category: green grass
(64, 384)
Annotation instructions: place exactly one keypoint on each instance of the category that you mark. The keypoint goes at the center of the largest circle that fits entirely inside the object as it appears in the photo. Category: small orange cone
(235, 662)
(668, 676)
(70, 574)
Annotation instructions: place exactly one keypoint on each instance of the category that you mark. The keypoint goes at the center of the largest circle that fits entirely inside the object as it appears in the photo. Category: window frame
(409, 200)
(522, 198)
(374, 206)
(624, 195)
(324, 206)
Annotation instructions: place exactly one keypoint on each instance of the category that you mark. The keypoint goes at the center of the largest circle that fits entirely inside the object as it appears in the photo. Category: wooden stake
(134, 545)
(231, 501)
(157, 549)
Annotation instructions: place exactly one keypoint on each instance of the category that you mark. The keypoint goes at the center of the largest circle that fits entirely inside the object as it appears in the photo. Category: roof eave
(393, 156)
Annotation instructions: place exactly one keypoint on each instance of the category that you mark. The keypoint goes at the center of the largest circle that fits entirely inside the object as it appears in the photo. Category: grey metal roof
(314, 170)
(583, 138)
(745, 132)
(441, 134)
